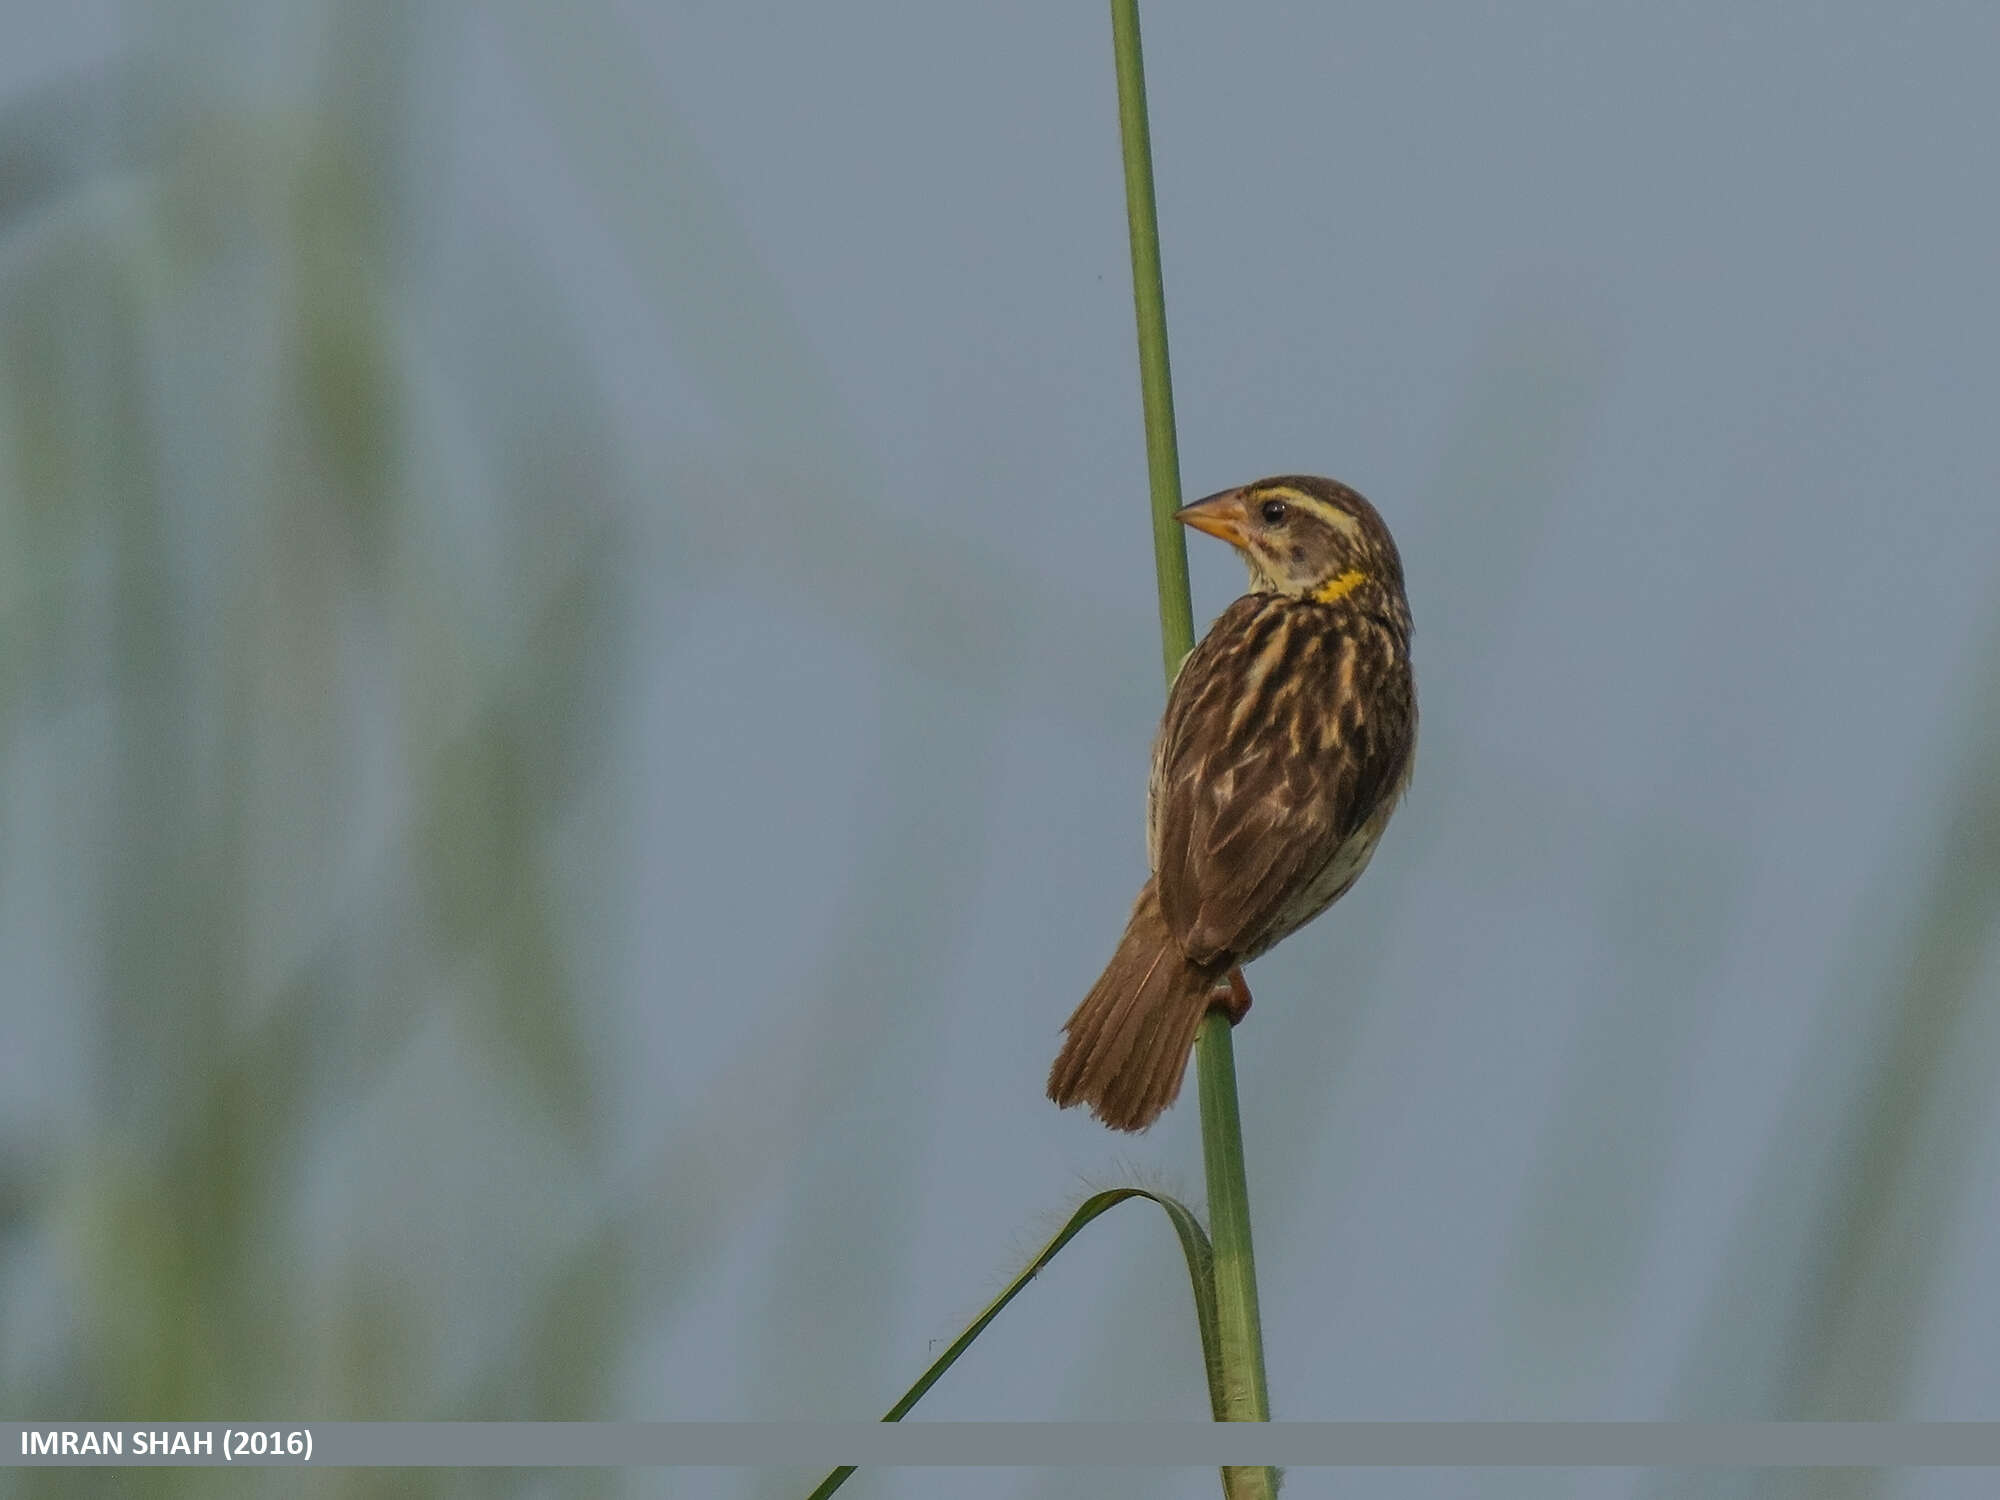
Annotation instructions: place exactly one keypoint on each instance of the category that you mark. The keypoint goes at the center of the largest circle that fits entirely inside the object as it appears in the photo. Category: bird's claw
(1231, 997)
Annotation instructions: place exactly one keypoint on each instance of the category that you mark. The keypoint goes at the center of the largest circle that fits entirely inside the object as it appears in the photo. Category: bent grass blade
(1194, 1246)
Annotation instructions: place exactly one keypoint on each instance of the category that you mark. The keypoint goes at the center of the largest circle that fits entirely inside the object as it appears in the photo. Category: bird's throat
(1338, 588)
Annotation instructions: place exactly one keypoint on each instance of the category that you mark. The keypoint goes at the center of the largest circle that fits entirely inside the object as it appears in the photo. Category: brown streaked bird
(1287, 742)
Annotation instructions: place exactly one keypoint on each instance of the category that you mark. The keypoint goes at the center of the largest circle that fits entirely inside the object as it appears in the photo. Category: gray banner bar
(1009, 1444)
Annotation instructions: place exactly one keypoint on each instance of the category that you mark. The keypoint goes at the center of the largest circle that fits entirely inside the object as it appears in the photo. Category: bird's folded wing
(1237, 844)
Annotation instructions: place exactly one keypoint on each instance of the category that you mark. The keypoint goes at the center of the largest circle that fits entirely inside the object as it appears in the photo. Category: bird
(1287, 741)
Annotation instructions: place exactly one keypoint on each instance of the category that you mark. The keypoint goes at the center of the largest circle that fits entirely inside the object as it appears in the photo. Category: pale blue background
(759, 450)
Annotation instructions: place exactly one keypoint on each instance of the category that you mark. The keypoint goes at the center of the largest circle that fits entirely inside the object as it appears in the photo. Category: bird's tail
(1129, 1041)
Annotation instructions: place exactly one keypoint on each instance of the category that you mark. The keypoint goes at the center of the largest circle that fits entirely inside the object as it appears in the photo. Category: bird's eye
(1274, 512)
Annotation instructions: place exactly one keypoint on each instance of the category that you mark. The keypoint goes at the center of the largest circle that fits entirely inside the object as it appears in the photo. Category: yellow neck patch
(1339, 588)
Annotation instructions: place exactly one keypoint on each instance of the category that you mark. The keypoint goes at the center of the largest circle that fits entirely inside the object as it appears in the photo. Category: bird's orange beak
(1220, 515)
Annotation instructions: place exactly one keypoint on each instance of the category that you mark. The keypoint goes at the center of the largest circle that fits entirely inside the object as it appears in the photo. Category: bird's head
(1305, 537)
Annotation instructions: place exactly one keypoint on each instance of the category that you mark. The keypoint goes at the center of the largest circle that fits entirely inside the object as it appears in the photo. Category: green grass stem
(1156, 386)
(1243, 1396)
(1222, 1269)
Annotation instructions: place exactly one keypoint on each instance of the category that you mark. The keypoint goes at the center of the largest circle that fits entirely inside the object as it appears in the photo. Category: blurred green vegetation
(298, 708)
(316, 600)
